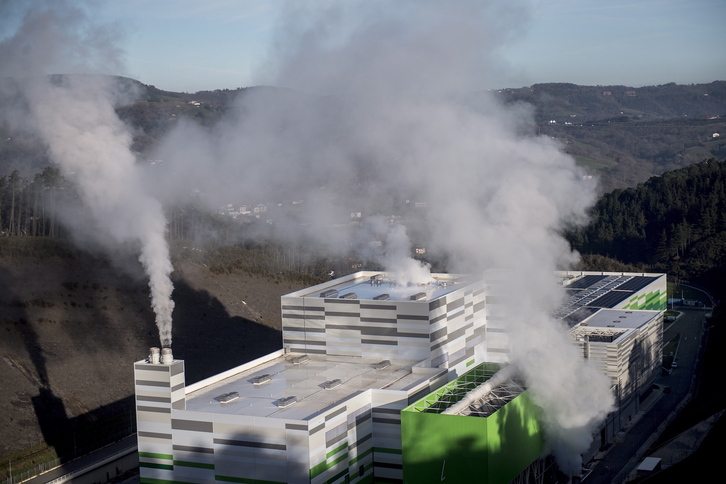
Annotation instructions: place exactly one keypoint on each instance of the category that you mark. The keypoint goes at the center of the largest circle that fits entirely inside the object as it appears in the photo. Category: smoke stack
(154, 355)
(166, 357)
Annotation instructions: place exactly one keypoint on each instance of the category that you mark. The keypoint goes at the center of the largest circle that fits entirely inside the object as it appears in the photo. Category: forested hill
(560, 101)
(624, 134)
(674, 223)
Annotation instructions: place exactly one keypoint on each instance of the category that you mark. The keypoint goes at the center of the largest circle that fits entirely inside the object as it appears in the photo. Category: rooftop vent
(329, 293)
(382, 297)
(154, 355)
(418, 296)
(259, 380)
(350, 295)
(228, 397)
(329, 385)
(299, 360)
(382, 365)
(376, 279)
(286, 402)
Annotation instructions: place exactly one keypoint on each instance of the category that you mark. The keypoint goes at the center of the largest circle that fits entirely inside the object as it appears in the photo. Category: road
(620, 460)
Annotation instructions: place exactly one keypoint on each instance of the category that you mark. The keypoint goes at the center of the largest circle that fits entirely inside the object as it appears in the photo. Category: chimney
(154, 355)
(166, 357)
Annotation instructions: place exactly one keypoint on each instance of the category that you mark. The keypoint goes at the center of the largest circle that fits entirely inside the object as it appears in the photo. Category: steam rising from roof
(388, 103)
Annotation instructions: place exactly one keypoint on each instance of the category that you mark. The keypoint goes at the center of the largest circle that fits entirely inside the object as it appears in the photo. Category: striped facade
(352, 441)
(444, 330)
(189, 435)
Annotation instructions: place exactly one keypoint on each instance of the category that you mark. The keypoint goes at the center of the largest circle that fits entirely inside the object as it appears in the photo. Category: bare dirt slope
(70, 330)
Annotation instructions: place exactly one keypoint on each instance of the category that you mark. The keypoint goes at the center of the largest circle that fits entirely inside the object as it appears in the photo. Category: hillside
(622, 134)
(625, 135)
(73, 325)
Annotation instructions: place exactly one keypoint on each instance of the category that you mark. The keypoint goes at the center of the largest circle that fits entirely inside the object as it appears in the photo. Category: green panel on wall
(455, 448)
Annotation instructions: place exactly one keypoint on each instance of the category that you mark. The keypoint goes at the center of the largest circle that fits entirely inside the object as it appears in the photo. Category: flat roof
(306, 382)
(618, 319)
(589, 292)
(364, 288)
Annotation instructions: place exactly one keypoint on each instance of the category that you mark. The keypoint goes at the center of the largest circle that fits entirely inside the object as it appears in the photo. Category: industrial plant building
(378, 382)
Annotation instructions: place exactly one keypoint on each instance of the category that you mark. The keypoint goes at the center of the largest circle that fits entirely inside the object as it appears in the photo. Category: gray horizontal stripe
(303, 316)
(154, 409)
(153, 435)
(149, 383)
(303, 329)
(378, 320)
(438, 334)
(379, 331)
(317, 429)
(336, 413)
(314, 351)
(455, 315)
(303, 308)
(343, 301)
(437, 303)
(438, 318)
(459, 332)
(439, 345)
(302, 342)
(478, 291)
(479, 306)
(390, 421)
(337, 439)
(144, 398)
(247, 443)
(498, 350)
(177, 387)
(289, 426)
(381, 307)
(193, 425)
(353, 327)
(411, 316)
(363, 439)
(154, 367)
(187, 448)
(342, 314)
(177, 368)
(378, 342)
(454, 305)
(413, 335)
(496, 330)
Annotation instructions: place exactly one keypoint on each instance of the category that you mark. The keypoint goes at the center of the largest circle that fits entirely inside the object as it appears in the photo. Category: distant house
(607, 93)
(630, 93)
(715, 135)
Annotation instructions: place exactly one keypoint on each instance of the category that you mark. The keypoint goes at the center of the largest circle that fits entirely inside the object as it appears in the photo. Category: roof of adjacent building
(367, 285)
(304, 381)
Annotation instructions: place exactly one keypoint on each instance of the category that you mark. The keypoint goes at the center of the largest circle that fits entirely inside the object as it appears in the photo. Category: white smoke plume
(74, 116)
(387, 103)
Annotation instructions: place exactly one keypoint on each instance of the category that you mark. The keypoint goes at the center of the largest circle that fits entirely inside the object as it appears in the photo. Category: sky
(193, 45)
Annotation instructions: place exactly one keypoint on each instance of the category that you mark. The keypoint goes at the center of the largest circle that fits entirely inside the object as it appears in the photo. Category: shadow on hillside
(209, 339)
(205, 335)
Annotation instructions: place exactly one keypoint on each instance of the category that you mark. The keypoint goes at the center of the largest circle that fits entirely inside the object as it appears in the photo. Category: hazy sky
(192, 45)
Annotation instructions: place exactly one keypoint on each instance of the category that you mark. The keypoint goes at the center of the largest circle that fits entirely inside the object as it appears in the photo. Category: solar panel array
(592, 292)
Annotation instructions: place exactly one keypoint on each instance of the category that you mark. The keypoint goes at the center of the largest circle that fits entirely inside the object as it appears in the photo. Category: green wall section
(653, 301)
(457, 448)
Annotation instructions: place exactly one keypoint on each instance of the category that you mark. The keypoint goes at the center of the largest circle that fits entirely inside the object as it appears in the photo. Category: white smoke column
(393, 253)
(75, 117)
(394, 102)
(91, 144)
